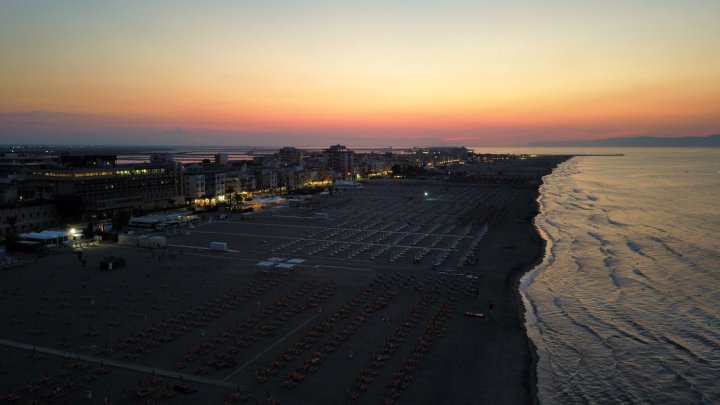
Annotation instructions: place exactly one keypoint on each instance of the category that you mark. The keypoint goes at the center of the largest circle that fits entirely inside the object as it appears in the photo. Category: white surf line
(247, 363)
(321, 240)
(118, 364)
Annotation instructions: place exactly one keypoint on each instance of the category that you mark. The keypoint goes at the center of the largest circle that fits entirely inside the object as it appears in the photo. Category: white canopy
(45, 235)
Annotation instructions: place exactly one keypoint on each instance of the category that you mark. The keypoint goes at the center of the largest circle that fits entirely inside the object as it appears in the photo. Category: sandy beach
(375, 313)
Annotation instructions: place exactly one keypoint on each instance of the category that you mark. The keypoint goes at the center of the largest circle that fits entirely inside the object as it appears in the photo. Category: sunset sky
(366, 72)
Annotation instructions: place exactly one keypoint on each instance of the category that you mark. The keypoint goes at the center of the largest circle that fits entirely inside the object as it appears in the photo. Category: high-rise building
(221, 159)
(339, 159)
(194, 185)
(290, 156)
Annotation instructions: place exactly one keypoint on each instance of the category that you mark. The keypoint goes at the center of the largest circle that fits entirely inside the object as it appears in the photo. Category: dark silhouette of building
(290, 156)
(339, 159)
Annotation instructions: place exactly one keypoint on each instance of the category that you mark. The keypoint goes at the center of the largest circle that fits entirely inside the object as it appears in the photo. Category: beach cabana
(296, 261)
(46, 238)
(286, 266)
(265, 264)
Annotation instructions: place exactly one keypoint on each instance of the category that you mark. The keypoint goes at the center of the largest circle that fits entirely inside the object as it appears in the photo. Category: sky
(366, 73)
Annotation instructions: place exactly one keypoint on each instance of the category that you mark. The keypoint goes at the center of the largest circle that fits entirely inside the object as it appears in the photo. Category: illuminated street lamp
(426, 194)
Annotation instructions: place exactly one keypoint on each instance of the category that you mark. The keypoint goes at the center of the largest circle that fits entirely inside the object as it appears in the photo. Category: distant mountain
(712, 141)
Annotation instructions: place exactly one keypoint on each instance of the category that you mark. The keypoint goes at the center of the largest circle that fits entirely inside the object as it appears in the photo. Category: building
(290, 156)
(247, 181)
(88, 160)
(266, 179)
(27, 216)
(339, 159)
(107, 188)
(301, 178)
(286, 178)
(221, 159)
(194, 186)
(214, 184)
(19, 162)
(8, 193)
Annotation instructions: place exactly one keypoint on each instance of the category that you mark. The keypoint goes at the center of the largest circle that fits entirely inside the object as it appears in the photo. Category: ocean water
(625, 307)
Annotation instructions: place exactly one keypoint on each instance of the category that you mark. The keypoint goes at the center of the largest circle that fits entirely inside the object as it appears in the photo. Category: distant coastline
(709, 141)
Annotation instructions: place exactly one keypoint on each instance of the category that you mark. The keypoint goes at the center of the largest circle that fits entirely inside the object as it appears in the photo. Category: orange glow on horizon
(432, 69)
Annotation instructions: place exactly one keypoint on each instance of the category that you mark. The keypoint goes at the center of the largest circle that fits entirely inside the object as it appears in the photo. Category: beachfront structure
(215, 184)
(194, 186)
(346, 185)
(238, 181)
(8, 193)
(286, 178)
(18, 162)
(27, 216)
(374, 166)
(47, 238)
(246, 181)
(440, 156)
(103, 160)
(290, 156)
(106, 189)
(266, 179)
(161, 221)
(213, 180)
(339, 159)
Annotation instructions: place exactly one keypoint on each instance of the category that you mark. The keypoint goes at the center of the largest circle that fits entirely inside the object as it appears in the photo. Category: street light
(426, 194)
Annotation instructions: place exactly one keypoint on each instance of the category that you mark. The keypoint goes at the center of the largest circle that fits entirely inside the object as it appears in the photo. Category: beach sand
(343, 327)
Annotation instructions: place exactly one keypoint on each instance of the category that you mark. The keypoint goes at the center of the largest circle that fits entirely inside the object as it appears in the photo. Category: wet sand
(361, 320)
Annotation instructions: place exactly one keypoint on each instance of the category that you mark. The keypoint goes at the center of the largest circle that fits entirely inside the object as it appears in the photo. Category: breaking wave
(624, 309)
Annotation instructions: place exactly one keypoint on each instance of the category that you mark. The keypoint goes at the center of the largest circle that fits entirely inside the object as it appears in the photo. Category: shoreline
(490, 359)
(534, 259)
(522, 309)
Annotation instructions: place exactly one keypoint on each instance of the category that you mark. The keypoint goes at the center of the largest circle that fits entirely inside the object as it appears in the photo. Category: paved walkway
(234, 258)
(247, 363)
(394, 245)
(119, 364)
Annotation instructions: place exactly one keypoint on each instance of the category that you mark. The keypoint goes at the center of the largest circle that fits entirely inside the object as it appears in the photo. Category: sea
(625, 307)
